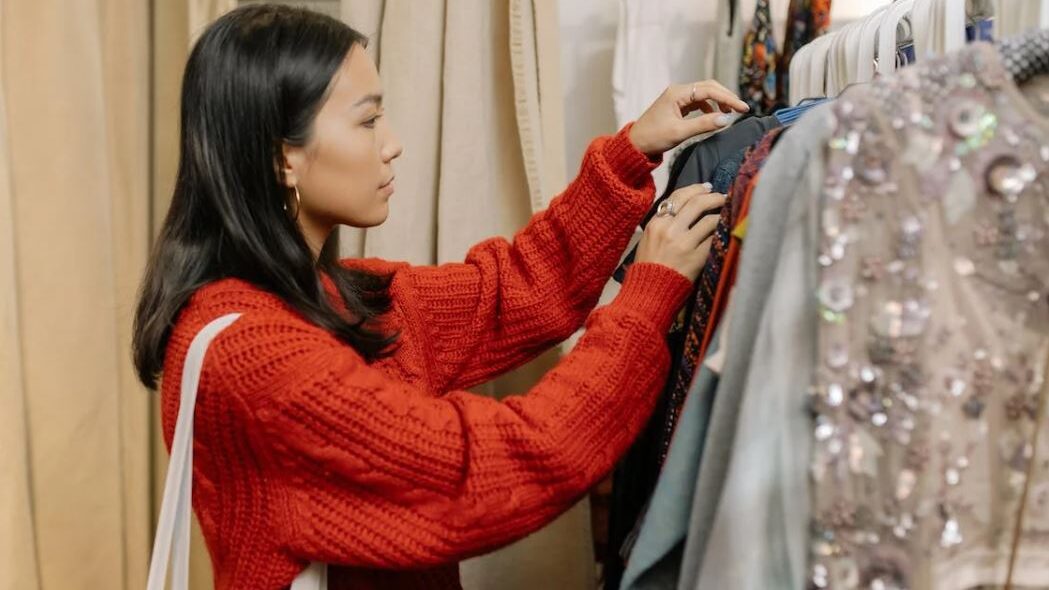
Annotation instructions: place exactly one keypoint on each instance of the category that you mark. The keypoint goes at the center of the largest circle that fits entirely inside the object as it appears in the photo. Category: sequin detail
(933, 326)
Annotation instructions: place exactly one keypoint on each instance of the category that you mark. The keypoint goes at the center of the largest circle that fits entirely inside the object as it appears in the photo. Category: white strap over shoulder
(173, 531)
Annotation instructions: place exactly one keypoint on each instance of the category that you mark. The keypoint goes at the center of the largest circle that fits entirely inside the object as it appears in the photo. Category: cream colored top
(934, 332)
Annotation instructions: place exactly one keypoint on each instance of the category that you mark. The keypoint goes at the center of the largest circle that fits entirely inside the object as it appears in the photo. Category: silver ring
(693, 99)
(665, 209)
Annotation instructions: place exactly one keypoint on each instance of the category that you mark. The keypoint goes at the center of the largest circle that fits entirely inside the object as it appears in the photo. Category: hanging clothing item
(806, 20)
(758, 536)
(767, 224)
(698, 162)
(757, 74)
(656, 555)
(635, 475)
(789, 115)
(726, 172)
(641, 64)
(736, 222)
(641, 61)
(932, 350)
(728, 47)
(707, 286)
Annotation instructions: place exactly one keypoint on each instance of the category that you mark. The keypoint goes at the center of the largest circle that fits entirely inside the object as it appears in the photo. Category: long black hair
(255, 80)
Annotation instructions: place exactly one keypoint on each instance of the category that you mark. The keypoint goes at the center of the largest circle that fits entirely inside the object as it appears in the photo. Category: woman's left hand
(664, 125)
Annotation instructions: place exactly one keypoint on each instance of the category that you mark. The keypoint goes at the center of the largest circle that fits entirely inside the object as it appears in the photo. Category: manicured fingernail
(707, 186)
(722, 120)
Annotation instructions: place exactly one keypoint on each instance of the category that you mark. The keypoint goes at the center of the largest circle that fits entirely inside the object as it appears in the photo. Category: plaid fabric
(757, 74)
(806, 20)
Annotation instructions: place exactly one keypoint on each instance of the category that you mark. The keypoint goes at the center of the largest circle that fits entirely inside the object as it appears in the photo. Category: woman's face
(344, 173)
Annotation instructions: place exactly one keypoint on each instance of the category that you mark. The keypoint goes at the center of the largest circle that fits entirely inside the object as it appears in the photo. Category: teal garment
(760, 532)
(656, 555)
(790, 173)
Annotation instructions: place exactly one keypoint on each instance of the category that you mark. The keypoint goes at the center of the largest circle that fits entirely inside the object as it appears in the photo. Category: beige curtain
(87, 166)
(74, 454)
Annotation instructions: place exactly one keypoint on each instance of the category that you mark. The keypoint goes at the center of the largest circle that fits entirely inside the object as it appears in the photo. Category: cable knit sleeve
(523, 297)
(377, 474)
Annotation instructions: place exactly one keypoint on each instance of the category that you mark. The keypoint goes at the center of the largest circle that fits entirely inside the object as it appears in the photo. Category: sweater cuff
(654, 290)
(630, 165)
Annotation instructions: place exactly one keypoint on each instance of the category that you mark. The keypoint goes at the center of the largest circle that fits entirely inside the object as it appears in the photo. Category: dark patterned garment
(806, 20)
(757, 74)
(702, 312)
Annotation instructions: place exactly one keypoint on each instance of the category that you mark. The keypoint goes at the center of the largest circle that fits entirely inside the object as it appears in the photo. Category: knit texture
(390, 471)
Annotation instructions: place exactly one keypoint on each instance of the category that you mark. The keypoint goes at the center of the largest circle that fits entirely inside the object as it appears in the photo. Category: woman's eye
(371, 122)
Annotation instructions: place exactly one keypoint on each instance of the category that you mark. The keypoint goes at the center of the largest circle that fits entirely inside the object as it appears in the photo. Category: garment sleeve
(382, 475)
(520, 298)
(792, 175)
(766, 486)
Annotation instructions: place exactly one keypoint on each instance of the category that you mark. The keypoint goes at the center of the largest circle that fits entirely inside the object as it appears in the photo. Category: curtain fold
(18, 556)
(88, 151)
(125, 60)
(74, 203)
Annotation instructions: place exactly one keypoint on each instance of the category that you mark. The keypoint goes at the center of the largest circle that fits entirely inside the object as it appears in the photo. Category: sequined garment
(757, 73)
(934, 332)
(806, 20)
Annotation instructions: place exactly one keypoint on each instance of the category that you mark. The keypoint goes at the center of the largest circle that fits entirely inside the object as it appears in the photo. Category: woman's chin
(376, 216)
(382, 213)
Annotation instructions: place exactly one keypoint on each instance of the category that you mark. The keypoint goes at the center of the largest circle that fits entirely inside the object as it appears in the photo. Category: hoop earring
(298, 203)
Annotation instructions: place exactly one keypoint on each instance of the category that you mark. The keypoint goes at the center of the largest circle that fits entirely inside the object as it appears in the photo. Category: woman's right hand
(682, 241)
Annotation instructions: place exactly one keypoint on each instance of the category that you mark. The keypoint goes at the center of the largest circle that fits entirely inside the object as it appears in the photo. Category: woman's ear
(290, 162)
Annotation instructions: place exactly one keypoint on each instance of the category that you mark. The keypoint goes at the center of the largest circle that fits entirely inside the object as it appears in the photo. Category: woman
(331, 423)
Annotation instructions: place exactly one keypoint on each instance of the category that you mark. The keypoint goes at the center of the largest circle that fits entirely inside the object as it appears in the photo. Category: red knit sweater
(390, 471)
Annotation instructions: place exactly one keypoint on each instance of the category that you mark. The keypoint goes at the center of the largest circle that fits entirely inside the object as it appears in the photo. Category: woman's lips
(388, 187)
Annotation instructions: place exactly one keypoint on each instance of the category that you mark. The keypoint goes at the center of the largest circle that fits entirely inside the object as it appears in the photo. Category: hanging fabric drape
(74, 205)
(482, 91)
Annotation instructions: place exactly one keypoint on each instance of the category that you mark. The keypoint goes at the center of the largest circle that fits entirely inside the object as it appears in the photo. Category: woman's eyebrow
(372, 98)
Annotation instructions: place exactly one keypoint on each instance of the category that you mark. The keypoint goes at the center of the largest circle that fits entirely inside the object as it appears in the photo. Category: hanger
(801, 73)
(887, 38)
(796, 78)
(852, 49)
(954, 22)
(817, 66)
(837, 61)
(868, 42)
